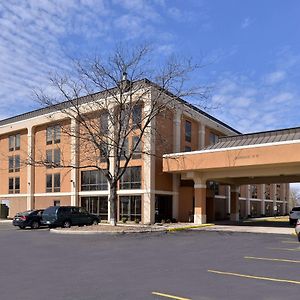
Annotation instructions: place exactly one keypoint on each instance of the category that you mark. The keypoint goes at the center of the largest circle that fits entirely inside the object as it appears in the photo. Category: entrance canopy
(264, 157)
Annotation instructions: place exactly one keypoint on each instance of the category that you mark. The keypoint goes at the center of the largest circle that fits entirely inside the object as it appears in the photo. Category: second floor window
(104, 122)
(213, 138)
(14, 185)
(52, 158)
(14, 142)
(14, 163)
(131, 179)
(53, 135)
(188, 131)
(137, 146)
(93, 180)
(52, 183)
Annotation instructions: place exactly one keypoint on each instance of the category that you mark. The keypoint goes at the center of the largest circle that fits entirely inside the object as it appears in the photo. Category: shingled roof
(256, 138)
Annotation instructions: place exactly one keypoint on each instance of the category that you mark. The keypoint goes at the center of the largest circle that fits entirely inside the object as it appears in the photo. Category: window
(53, 183)
(188, 131)
(14, 163)
(125, 150)
(213, 138)
(131, 178)
(137, 116)
(93, 181)
(104, 123)
(56, 203)
(187, 149)
(96, 205)
(137, 153)
(214, 186)
(52, 158)
(254, 191)
(53, 135)
(130, 207)
(267, 191)
(14, 142)
(103, 152)
(14, 185)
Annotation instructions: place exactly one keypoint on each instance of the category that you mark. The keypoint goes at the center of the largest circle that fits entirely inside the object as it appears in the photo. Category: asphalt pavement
(37, 264)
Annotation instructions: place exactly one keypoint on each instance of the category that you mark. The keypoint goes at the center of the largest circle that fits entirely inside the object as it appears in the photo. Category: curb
(189, 227)
(81, 232)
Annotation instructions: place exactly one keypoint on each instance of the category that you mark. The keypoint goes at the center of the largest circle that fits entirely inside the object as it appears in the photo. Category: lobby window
(14, 163)
(267, 191)
(96, 205)
(52, 158)
(53, 183)
(104, 122)
(131, 179)
(14, 185)
(137, 153)
(53, 134)
(93, 180)
(213, 138)
(137, 116)
(130, 208)
(188, 131)
(14, 142)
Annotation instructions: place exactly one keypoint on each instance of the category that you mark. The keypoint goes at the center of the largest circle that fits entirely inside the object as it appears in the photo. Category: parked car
(297, 229)
(67, 216)
(30, 218)
(294, 215)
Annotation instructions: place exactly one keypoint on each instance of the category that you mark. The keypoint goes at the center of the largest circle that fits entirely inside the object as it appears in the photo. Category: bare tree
(294, 199)
(111, 102)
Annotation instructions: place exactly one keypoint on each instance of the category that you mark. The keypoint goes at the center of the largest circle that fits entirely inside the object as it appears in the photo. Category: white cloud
(246, 23)
(275, 77)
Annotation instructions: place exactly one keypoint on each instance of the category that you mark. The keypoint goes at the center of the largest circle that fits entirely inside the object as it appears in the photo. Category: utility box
(3, 211)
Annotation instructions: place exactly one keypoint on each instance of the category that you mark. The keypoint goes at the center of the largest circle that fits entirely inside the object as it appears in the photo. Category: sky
(251, 49)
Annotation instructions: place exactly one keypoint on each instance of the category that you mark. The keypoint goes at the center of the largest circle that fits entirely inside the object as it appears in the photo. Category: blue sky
(252, 48)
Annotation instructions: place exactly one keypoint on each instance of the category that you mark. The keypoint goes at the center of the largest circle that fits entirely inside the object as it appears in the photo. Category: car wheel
(95, 222)
(22, 227)
(35, 225)
(66, 224)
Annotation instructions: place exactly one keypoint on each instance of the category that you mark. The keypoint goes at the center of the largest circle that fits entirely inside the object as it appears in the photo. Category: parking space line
(285, 249)
(169, 296)
(273, 259)
(254, 277)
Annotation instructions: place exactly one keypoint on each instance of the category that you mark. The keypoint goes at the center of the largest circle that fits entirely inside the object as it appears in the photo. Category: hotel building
(145, 192)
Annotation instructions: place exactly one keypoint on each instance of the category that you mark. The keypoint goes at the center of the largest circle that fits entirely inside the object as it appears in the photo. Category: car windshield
(50, 210)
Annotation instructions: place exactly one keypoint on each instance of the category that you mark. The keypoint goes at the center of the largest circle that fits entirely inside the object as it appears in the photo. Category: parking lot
(38, 264)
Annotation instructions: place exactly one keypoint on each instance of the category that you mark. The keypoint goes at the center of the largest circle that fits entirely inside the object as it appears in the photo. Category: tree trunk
(113, 198)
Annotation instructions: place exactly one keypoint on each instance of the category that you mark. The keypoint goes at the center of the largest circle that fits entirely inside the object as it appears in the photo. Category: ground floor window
(96, 205)
(130, 208)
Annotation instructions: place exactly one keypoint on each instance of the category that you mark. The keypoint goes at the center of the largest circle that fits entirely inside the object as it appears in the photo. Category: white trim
(57, 194)
(131, 192)
(158, 192)
(13, 195)
(199, 186)
(232, 148)
(94, 193)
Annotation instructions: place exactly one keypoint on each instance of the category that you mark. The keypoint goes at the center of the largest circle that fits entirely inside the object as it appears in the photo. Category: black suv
(30, 218)
(67, 216)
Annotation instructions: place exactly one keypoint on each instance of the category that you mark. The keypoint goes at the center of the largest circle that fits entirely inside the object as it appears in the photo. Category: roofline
(55, 107)
(259, 132)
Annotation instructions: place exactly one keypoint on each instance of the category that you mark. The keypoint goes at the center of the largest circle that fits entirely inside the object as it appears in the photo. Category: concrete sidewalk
(249, 229)
(5, 221)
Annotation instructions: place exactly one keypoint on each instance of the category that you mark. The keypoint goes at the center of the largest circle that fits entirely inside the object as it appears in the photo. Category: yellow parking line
(169, 296)
(273, 259)
(286, 249)
(254, 277)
